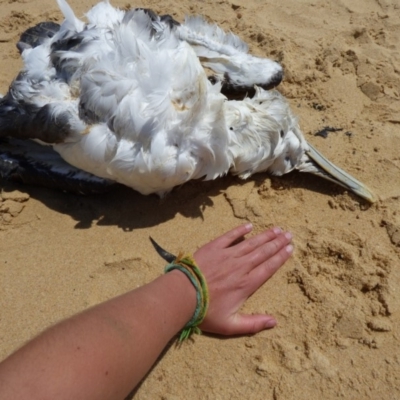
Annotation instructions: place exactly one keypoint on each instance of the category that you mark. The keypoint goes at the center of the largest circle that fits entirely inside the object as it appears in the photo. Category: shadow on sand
(129, 210)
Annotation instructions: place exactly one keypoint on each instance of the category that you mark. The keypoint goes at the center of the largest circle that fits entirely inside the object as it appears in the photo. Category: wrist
(182, 294)
(187, 265)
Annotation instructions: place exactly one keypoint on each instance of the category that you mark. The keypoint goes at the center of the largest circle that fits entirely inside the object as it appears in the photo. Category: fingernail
(270, 323)
(288, 235)
(277, 230)
(249, 226)
(289, 249)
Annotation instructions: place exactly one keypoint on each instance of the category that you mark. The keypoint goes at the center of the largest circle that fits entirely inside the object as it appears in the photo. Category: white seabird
(125, 96)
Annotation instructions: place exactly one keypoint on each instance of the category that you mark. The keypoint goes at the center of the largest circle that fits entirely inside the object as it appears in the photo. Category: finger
(267, 250)
(251, 244)
(244, 324)
(228, 238)
(264, 271)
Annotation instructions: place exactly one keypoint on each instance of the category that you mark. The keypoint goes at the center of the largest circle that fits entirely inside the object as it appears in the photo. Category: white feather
(225, 53)
(151, 118)
(70, 22)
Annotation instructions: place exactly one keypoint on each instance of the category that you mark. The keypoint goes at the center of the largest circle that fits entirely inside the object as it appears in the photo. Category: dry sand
(337, 300)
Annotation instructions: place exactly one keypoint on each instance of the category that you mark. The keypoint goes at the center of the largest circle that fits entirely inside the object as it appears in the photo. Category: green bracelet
(187, 265)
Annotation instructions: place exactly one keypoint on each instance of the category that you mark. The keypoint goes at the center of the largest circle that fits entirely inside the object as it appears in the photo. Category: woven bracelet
(187, 265)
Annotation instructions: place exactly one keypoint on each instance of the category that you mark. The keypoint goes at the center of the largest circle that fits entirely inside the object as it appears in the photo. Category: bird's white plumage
(140, 109)
(225, 53)
(160, 121)
(103, 14)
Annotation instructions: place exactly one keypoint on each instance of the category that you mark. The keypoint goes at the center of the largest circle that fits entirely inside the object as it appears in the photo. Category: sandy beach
(337, 300)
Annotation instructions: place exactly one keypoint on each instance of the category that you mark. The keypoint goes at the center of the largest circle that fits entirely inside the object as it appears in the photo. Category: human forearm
(113, 344)
(104, 352)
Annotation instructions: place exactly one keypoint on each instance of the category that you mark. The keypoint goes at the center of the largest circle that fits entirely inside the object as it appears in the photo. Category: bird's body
(126, 97)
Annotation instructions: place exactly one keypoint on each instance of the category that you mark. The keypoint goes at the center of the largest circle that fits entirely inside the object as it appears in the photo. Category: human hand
(234, 271)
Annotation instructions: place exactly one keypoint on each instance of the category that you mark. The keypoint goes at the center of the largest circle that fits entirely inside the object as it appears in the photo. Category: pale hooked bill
(126, 97)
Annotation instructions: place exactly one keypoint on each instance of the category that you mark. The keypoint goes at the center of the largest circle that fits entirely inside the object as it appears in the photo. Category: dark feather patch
(37, 35)
(25, 161)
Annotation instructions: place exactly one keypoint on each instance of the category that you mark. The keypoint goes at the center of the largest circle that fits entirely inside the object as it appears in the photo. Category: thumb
(244, 324)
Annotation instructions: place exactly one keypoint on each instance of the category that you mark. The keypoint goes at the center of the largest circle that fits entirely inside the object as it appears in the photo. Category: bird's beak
(170, 258)
(334, 174)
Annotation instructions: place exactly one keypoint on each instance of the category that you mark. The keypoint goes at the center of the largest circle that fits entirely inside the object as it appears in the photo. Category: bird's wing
(25, 161)
(227, 55)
